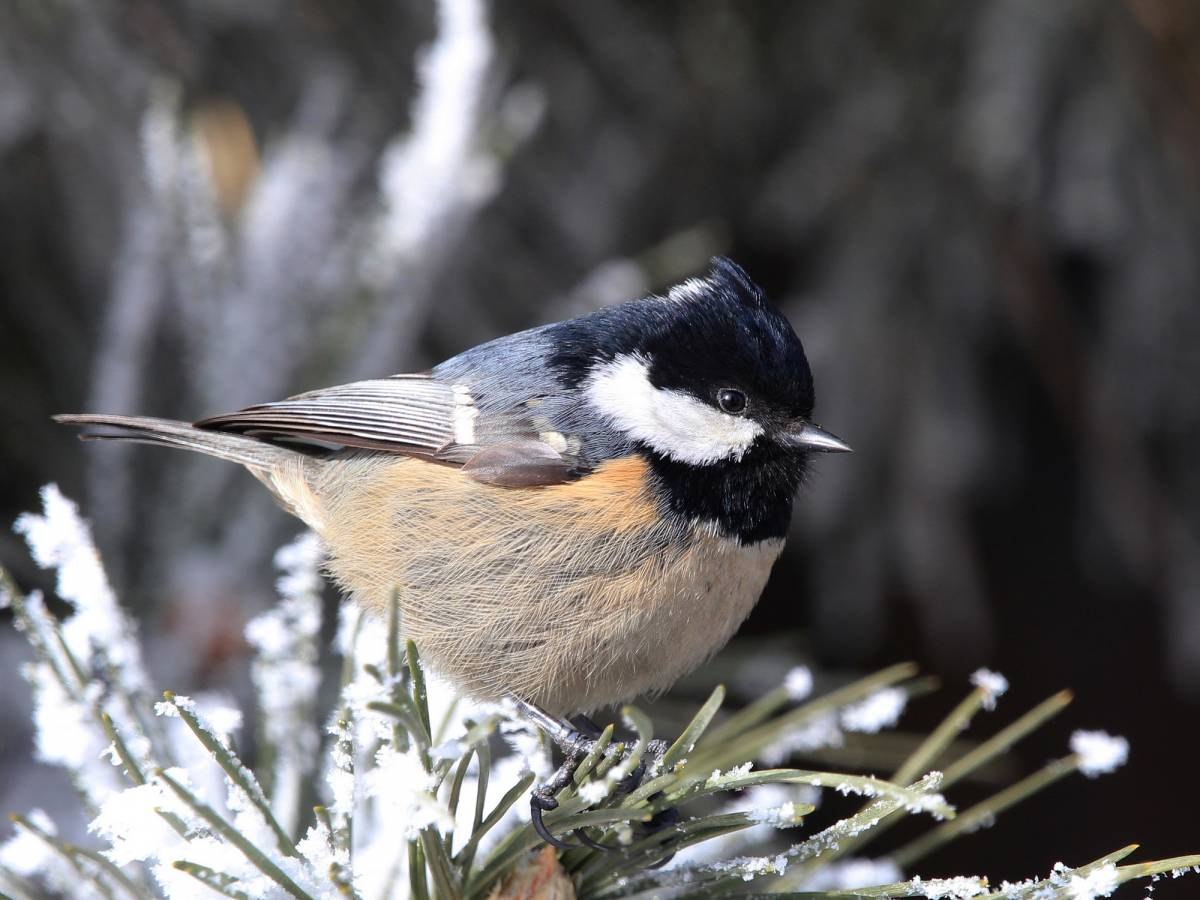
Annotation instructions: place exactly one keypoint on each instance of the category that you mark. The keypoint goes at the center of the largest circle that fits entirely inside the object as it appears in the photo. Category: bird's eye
(731, 400)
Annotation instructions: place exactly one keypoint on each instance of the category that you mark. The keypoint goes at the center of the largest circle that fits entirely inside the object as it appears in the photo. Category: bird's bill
(806, 436)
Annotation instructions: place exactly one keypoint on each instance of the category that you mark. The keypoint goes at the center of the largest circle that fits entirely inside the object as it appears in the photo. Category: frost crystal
(170, 710)
(959, 888)
(286, 674)
(97, 638)
(225, 720)
(798, 683)
(596, 789)
(1099, 753)
(880, 710)
(993, 685)
(64, 733)
(821, 731)
(132, 825)
(401, 782)
(1099, 882)
(750, 867)
(718, 778)
(60, 539)
(782, 816)
(437, 169)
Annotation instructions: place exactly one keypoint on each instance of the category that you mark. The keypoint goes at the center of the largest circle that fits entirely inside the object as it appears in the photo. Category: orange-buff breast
(571, 596)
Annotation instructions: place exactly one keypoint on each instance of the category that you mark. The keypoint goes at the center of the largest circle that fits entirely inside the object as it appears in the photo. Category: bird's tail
(170, 433)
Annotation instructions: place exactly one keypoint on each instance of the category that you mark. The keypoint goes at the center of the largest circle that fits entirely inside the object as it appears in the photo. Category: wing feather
(416, 415)
(405, 413)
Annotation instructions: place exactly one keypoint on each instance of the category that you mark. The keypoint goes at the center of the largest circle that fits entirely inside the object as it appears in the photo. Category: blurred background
(982, 217)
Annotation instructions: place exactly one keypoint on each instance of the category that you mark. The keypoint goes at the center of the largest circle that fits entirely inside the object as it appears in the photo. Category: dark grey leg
(575, 745)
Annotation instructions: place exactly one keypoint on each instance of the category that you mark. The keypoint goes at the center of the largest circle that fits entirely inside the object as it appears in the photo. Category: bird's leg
(569, 739)
(576, 740)
(574, 745)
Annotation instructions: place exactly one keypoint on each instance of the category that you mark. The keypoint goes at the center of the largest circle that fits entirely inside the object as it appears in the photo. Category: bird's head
(705, 375)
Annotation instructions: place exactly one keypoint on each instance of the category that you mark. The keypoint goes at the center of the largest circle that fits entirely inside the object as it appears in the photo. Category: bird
(571, 515)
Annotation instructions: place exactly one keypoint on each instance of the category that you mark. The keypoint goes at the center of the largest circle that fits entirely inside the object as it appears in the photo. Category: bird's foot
(576, 741)
(543, 799)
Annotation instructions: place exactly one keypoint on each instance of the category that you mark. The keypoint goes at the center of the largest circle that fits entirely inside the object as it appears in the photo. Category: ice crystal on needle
(1099, 753)
(1099, 882)
(90, 657)
(59, 539)
(798, 683)
(878, 711)
(286, 673)
(993, 685)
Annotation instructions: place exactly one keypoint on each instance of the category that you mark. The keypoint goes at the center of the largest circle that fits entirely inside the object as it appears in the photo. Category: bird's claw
(543, 800)
(575, 746)
(539, 802)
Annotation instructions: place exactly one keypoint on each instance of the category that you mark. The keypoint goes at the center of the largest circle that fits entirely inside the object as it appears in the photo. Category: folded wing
(415, 415)
(405, 413)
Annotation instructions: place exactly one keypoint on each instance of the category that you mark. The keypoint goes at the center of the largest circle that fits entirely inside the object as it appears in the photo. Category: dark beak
(806, 436)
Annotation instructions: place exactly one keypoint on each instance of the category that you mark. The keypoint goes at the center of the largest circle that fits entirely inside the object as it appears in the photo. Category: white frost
(1099, 753)
(131, 824)
(286, 674)
(99, 638)
(750, 867)
(719, 778)
(61, 539)
(1099, 882)
(25, 853)
(959, 888)
(821, 731)
(880, 710)
(527, 744)
(798, 683)
(438, 170)
(782, 816)
(993, 684)
(65, 727)
(399, 781)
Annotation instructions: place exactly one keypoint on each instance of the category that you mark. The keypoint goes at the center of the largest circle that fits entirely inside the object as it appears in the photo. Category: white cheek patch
(674, 423)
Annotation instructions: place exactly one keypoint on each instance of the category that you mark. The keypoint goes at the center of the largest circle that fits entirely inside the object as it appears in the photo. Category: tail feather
(170, 433)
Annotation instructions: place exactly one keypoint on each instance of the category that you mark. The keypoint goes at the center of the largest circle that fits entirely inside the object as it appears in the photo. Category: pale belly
(571, 596)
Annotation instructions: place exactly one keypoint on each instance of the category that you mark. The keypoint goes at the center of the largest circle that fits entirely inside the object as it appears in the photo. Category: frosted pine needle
(959, 888)
(881, 710)
(286, 675)
(437, 168)
(1100, 882)
(59, 539)
(25, 853)
(821, 732)
(750, 867)
(426, 794)
(993, 685)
